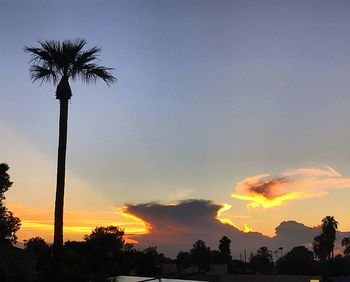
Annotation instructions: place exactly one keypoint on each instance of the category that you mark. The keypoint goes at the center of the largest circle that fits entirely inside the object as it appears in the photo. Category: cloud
(186, 213)
(291, 233)
(267, 191)
(228, 221)
(176, 227)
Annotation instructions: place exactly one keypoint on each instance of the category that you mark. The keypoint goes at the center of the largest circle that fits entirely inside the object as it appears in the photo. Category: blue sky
(209, 93)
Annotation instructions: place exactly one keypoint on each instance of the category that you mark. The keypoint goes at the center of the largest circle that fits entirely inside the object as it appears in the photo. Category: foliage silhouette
(37, 245)
(299, 260)
(329, 229)
(110, 236)
(323, 244)
(5, 182)
(225, 250)
(149, 261)
(183, 260)
(337, 266)
(57, 62)
(9, 224)
(200, 255)
(105, 245)
(319, 246)
(262, 261)
(345, 242)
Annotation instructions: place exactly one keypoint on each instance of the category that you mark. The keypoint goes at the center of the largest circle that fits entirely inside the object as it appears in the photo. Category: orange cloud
(227, 221)
(142, 227)
(267, 192)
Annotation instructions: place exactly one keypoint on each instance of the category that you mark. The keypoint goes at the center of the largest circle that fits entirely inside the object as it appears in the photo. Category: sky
(240, 103)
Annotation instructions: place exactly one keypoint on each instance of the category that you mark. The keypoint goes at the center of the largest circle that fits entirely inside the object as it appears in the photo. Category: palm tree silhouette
(329, 229)
(323, 244)
(57, 62)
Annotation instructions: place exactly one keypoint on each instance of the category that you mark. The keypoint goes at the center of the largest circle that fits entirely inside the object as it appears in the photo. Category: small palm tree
(58, 62)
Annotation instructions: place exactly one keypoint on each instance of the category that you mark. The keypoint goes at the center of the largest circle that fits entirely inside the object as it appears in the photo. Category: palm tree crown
(59, 61)
(329, 222)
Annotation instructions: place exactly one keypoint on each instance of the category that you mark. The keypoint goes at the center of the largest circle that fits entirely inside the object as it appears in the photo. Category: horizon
(238, 109)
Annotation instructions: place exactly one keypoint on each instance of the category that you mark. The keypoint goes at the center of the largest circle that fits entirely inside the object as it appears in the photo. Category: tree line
(298, 261)
(104, 253)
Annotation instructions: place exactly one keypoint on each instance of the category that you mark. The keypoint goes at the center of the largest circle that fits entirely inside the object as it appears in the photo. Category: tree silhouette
(110, 236)
(9, 224)
(200, 255)
(57, 62)
(36, 245)
(225, 251)
(299, 260)
(345, 242)
(5, 182)
(323, 244)
(183, 260)
(329, 229)
(319, 246)
(262, 261)
(104, 245)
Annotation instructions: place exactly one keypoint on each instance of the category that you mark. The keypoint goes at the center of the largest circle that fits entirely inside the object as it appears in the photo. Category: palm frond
(74, 47)
(82, 59)
(54, 48)
(38, 54)
(71, 50)
(94, 72)
(43, 74)
(41, 57)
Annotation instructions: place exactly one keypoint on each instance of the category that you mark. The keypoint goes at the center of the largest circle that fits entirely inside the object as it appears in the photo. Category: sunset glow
(247, 228)
(227, 221)
(260, 191)
(39, 222)
(257, 200)
(48, 226)
(265, 191)
(140, 226)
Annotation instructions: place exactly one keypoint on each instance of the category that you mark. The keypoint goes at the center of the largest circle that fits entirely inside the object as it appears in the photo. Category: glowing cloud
(247, 228)
(142, 227)
(266, 191)
(227, 221)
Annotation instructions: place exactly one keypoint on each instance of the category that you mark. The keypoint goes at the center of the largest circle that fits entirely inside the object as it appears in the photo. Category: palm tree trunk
(61, 167)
